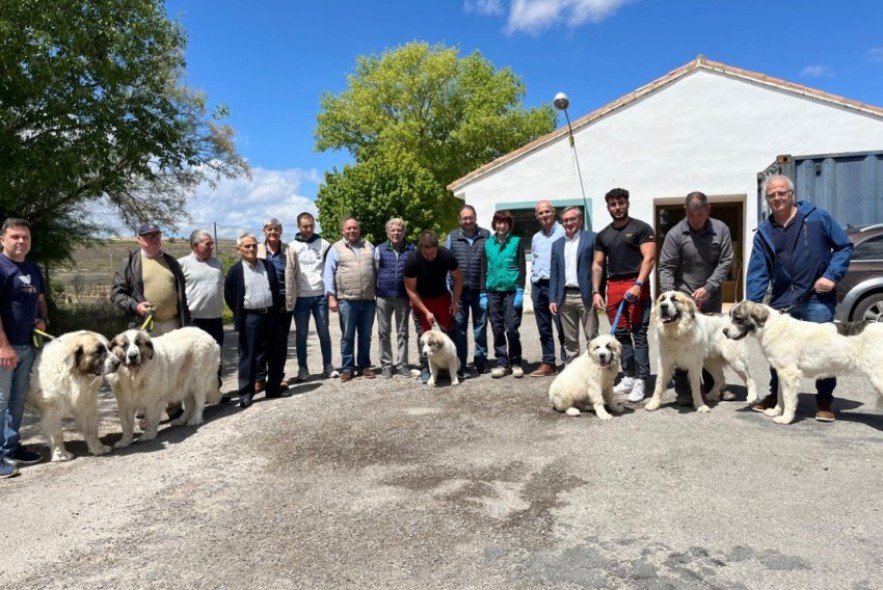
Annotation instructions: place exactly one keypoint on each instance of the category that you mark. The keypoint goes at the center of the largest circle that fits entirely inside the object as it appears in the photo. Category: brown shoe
(283, 386)
(544, 370)
(346, 376)
(824, 413)
(367, 373)
(259, 386)
(766, 403)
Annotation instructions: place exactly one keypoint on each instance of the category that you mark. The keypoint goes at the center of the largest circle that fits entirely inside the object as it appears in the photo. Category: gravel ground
(389, 484)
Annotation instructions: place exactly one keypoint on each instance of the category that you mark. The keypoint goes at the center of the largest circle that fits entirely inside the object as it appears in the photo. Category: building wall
(706, 131)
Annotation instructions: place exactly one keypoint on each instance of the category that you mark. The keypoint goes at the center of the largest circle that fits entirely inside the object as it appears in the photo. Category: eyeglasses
(249, 246)
(570, 220)
(779, 194)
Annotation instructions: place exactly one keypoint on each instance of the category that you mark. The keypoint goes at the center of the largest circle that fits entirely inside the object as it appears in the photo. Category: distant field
(89, 277)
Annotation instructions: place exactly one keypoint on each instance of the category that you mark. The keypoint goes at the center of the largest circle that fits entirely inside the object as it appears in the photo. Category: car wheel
(869, 308)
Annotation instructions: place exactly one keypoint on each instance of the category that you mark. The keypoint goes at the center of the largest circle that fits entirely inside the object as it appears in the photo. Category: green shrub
(102, 317)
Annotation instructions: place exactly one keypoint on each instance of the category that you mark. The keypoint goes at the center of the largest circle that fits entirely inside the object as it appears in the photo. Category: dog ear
(78, 357)
(148, 348)
(617, 346)
(760, 315)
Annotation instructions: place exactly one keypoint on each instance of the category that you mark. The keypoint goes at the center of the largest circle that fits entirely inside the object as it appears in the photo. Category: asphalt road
(390, 484)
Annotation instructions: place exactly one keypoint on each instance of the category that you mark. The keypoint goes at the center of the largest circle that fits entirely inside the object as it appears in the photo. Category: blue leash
(616, 320)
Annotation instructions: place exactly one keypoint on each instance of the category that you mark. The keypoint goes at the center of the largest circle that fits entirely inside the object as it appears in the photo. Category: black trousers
(260, 332)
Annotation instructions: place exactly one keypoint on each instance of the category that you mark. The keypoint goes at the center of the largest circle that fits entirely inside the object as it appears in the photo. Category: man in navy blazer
(571, 281)
(251, 291)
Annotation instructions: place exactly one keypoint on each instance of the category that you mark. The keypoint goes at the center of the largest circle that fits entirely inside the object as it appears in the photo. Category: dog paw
(703, 409)
(617, 409)
(122, 444)
(782, 419)
(771, 412)
(572, 412)
(605, 416)
(101, 450)
(147, 436)
(455, 382)
(653, 404)
(60, 456)
(431, 382)
(195, 421)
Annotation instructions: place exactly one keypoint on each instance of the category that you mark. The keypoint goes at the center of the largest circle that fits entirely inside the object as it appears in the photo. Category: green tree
(449, 114)
(377, 189)
(93, 115)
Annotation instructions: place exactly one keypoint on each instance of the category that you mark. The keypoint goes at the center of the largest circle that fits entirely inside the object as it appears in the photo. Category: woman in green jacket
(504, 286)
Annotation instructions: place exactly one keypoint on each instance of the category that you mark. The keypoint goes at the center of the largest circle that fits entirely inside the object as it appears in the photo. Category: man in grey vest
(350, 280)
(467, 245)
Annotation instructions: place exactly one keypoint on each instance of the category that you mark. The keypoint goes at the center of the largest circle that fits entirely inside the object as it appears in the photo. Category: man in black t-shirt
(627, 248)
(426, 274)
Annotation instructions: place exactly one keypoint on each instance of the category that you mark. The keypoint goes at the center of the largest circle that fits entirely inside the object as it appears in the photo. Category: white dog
(588, 380)
(797, 349)
(65, 382)
(181, 366)
(441, 354)
(688, 340)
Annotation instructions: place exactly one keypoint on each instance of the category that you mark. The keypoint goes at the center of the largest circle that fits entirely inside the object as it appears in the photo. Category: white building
(706, 126)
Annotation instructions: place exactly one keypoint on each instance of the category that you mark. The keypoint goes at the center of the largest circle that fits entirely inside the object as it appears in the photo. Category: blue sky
(270, 60)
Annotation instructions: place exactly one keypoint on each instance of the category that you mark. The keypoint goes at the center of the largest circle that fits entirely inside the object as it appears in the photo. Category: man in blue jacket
(799, 254)
(570, 282)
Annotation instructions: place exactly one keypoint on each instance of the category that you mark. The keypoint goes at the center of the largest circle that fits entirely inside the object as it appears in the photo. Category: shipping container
(849, 186)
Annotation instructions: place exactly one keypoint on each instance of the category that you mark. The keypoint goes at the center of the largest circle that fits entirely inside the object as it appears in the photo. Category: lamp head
(561, 101)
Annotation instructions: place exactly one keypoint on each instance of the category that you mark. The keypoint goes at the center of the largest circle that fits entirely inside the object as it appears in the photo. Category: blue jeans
(469, 302)
(303, 308)
(817, 313)
(13, 389)
(505, 322)
(539, 295)
(635, 359)
(356, 321)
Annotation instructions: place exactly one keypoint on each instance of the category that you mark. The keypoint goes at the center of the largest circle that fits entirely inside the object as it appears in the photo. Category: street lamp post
(561, 103)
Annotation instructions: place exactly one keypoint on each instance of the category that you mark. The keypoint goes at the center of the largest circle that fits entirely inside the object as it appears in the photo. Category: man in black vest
(467, 245)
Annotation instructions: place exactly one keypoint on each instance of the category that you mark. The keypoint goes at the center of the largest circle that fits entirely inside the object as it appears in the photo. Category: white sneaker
(498, 372)
(624, 386)
(637, 393)
(330, 372)
(517, 371)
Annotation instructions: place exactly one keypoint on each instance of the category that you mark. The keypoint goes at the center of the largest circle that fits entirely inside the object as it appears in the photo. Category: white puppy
(181, 366)
(688, 340)
(797, 349)
(65, 382)
(441, 354)
(588, 380)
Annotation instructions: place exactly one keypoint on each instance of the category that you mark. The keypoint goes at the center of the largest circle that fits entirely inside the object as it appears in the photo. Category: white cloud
(488, 7)
(535, 16)
(875, 54)
(242, 204)
(816, 72)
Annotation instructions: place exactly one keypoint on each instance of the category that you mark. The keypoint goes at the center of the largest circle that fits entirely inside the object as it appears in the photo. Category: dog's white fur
(65, 381)
(181, 366)
(797, 349)
(587, 381)
(688, 340)
(441, 354)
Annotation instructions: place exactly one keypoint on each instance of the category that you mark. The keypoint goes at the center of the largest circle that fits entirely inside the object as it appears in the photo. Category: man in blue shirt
(22, 308)
(540, 272)
(799, 254)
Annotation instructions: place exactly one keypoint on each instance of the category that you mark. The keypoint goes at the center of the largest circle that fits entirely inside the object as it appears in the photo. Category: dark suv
(860, 293)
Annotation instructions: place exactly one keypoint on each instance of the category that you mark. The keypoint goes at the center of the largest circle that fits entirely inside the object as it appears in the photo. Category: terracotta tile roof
(699, 63)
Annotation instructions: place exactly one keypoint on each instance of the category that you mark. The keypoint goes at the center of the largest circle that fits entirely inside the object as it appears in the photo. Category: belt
(260, 311)
(542, 283)
(571, 289)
